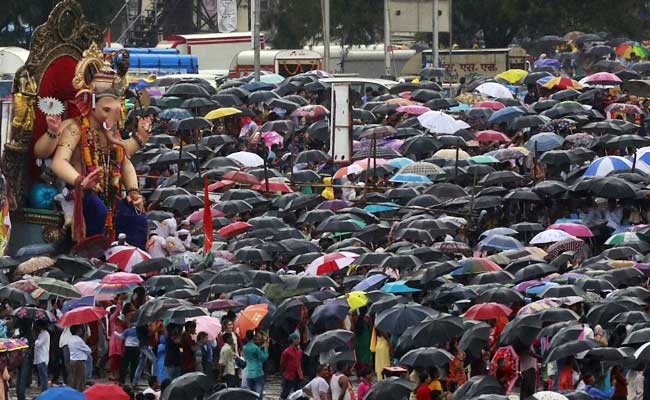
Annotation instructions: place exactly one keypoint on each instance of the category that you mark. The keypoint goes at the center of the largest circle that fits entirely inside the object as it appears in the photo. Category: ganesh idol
(90, 155)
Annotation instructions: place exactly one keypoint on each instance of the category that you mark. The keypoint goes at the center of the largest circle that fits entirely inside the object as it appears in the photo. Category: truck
(470, 62)
(156, 61)
(282, 62)
(215, 51)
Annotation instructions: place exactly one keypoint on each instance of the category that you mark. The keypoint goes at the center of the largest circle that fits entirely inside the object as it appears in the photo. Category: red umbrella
(492, 105)
(487, 311)
(492, 136)
(101, 391)
(241, 177)
(332, 262)
(224, 183)
(122, 278)
(82, 315)
(234, 229)
(273, 187)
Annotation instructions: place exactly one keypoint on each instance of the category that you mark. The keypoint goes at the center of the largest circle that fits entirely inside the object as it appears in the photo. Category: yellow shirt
(382, 356)
(435, 386)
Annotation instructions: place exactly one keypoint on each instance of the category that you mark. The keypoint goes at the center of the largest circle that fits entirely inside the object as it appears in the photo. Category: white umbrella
(546, 395)
(494, 89)
(247, 159)
(551, 236)
(439, 122)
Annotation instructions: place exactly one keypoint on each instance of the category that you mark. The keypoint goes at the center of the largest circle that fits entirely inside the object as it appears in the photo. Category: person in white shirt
(79, 353)
(318, 388)
(153, 388)
(42, 353)
(156, 246)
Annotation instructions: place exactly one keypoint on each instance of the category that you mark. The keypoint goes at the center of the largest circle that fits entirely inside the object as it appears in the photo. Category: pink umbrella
(492, 136)
(602, 78)
(197, 216)
(89, 288)
(209, 325)
(394, 144)
(414, 109)
(271, 138)
(405, 95)
(369, 162)
(125, 257)
(154, 92)
(492, 105)
(122, 278)
(577, 230)
(538, 306)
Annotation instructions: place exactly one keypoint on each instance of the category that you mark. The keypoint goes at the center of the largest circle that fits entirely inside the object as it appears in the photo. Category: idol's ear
(84, 101)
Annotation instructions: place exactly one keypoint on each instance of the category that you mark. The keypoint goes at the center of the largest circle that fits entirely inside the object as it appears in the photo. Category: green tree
(298, 22)
(21, 17)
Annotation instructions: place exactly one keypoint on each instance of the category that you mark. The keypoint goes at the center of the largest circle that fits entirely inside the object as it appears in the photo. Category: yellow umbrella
(513, 75)
(356, 299)
(222, 112)
(450, 154)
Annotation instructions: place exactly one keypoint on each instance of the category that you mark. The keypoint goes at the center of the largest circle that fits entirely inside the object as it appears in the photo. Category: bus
(282, 62)
(214, 50)
(470, 62)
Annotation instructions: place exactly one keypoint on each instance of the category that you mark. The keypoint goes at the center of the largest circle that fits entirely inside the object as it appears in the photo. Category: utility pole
(325, 9)
(451, 44)
(255, 13)
(434, 36)
(387, 42)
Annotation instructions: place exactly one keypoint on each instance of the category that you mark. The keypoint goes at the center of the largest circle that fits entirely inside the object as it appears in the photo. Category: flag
(207, 217)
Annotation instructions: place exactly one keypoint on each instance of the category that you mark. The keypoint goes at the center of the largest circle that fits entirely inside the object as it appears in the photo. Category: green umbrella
(483, 159)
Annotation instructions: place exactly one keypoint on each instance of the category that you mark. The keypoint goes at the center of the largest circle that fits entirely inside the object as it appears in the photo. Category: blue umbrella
(175, 113)
(544, 141)
(330, 314)
(76, 303)
(255, 86)
(501, 242)
(540, 288)
(370, 283)
(401, 162)
(410, 178)
(506, 114)
(250, 299)
(548, 62)
(543, 80)
(383, 207)
(398, 287)
(61, 393)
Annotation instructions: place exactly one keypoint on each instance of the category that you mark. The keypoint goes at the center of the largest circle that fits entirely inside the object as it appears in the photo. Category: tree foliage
(297, 22)
(20, 17)
(501, 21)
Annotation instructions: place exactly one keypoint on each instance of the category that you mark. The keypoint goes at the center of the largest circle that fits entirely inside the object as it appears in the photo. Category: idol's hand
(144, 125)
(53, 124)
(92, 179)
(136, 199)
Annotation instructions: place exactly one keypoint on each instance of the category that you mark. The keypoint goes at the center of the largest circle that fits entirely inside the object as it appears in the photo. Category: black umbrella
(399, 317)
(73, 265)
(327, 341)
(33, 313)
(307, 282)
(311, 157)
(553, 329)
(569, 349)
(424, 95)
(602, 313)
(637, 337)
(233, 207)
(521, 331)
(188, 386)
(562, 291)
(252, 254)
(262, 96)
(187, 90)
(182, 203)
(478, 385)
(426, 357)
(534, 271)
(160, 194)
(16, 295)
(475, 339)
(502, 295)
(608, 354)
(151, 265)
(566, 334)
(164, 283)
(390, 388)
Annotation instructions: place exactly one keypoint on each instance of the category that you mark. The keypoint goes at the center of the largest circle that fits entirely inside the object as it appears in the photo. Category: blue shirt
(255, 357)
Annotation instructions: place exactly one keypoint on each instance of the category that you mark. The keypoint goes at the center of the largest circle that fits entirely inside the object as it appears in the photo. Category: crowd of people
(485, 241)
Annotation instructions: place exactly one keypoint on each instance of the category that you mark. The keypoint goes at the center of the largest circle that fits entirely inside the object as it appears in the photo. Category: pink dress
(364, 387)
(115, 344)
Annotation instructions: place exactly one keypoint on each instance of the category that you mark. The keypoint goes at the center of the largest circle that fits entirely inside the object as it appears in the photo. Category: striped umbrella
(125, 257)
(330, 263)
(604, 165)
